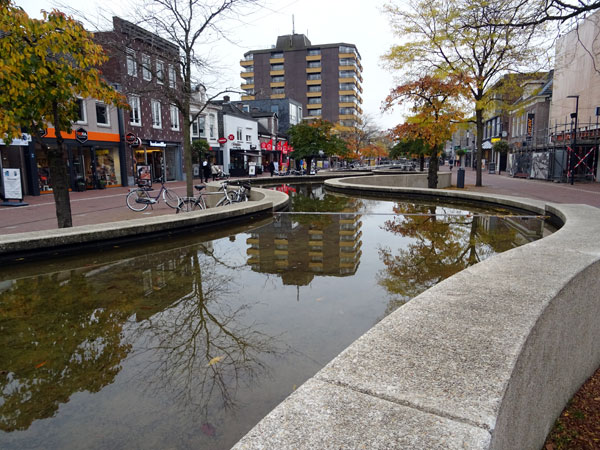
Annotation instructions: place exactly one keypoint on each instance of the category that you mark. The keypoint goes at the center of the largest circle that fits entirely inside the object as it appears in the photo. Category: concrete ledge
(262, 201)
(486, 359)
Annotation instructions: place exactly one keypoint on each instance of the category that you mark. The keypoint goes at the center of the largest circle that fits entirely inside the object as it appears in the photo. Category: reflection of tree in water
(56, 338)
(198, 347)
(64, 333)
(440, 246)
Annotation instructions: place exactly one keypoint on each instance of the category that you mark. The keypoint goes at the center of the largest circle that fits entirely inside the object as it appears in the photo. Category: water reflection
(443, 243)
(296, 247)
(188, 342)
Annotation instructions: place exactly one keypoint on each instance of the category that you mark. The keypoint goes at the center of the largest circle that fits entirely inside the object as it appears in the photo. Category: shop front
(16, 155)
(164, 160)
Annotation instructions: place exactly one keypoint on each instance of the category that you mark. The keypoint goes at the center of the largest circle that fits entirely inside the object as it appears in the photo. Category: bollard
(460, 178)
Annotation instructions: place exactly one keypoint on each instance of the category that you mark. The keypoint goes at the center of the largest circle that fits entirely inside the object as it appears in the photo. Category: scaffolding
(558, 153)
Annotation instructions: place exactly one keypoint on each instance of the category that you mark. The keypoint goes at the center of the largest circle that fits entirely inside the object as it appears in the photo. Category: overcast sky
(357, 22)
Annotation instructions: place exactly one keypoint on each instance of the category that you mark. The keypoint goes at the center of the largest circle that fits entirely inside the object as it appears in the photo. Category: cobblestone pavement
(108, 205)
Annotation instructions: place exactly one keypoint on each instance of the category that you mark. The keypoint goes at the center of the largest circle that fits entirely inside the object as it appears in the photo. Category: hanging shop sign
(222, 140)
(131, 138)
(81, 135)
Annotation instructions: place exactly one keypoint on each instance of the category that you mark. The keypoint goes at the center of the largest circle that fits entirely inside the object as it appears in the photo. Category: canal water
(188, 342)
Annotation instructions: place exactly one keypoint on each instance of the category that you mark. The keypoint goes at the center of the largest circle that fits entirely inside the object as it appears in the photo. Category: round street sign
(131, 138)
(231, 137)
(221, 140)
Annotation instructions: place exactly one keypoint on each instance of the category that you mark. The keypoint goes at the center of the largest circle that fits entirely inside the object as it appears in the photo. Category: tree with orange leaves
(436, 111)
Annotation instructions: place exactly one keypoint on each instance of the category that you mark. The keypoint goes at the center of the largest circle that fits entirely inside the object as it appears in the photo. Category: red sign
(221, 140)
(131, 138)
(231, 137)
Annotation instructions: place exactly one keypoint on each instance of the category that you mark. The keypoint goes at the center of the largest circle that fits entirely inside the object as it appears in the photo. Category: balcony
(314, 106)
(313, 70)
(275, 96)
(314, 94)
(248, 97)
(278, 84)
(246, 63)
(276, 60)
(247, 74)
(313, 82)
(313, 58)
(247, 86)
(275, 73)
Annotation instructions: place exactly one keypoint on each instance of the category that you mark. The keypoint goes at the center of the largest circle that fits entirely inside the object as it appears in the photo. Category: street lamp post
(573, 138)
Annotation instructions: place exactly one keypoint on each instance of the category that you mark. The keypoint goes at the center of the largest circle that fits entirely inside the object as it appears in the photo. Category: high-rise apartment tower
(325, 78)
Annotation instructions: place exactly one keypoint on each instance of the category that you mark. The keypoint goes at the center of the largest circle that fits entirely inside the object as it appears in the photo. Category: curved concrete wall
(262, 201)
(486, 359)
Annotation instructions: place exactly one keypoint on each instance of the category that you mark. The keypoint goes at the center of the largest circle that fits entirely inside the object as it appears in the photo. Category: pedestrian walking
(206, 170)
(271, 168)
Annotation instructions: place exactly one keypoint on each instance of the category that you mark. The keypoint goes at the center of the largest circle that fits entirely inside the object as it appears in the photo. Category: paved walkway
(101, 206)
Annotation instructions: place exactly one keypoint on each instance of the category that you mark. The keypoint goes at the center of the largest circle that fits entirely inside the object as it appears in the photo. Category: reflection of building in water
(524, 230)
(298, 246)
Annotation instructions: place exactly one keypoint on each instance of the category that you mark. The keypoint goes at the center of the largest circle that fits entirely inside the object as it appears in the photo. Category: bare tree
(189, 24)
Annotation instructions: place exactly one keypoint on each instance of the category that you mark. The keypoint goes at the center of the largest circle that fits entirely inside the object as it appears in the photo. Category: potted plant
(80, 185)
(101, 184)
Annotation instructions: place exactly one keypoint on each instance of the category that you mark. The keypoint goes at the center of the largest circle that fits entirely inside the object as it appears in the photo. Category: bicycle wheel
(137, 200)
(171, 199)
(224, 201)
(188, 204)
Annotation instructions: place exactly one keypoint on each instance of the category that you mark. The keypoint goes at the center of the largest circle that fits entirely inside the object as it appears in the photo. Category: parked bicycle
(139, 198)
(197, 203)
(233, 195)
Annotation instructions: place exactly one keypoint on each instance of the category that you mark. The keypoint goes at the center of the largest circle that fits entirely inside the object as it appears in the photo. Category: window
(346, 49)
(344, 111)
(249, 57)
(294, 118)
(314, 100)
(314, 112)
(278, 90)
(248, 138)
(276, 54)
(102, 114)
(81, 115)
(211, 125)
(239, 134)
(314, 64)
(131, 63)
(172, 76)
(174, 117)
(347, 62)
(246, 108)
(275, 109)
(347, 74)
(135, 117)
(314, 76)
(347, 99)
(315, 88)
(160, 68)
(277, 79)
(314, 51)
(201, 121)
(146, 67)
(276, 66)
(249, 81)
(347, 87)
(156, 118)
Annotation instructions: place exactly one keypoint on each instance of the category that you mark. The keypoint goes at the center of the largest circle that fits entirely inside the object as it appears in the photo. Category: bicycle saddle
(199, 186)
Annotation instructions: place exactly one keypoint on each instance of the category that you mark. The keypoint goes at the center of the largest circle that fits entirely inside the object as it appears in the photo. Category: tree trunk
(422, 162)
(59, 176)
(432, 174)
(60, 186)
(479, 141)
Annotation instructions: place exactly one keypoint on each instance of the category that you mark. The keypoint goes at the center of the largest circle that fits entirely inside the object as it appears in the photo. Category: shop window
(135, 117)
(102, 116)
(156, 118)
(160, 67)
(108, 170)
(131, 63)
(81, 113)
(174, 117)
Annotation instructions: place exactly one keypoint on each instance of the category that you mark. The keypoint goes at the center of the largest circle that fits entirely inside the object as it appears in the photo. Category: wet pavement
(108, 205)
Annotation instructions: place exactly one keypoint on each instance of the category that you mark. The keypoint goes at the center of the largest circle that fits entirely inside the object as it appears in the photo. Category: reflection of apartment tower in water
(299, 246)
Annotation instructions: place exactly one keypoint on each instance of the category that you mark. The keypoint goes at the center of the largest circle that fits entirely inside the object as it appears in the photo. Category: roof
(292, 42)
